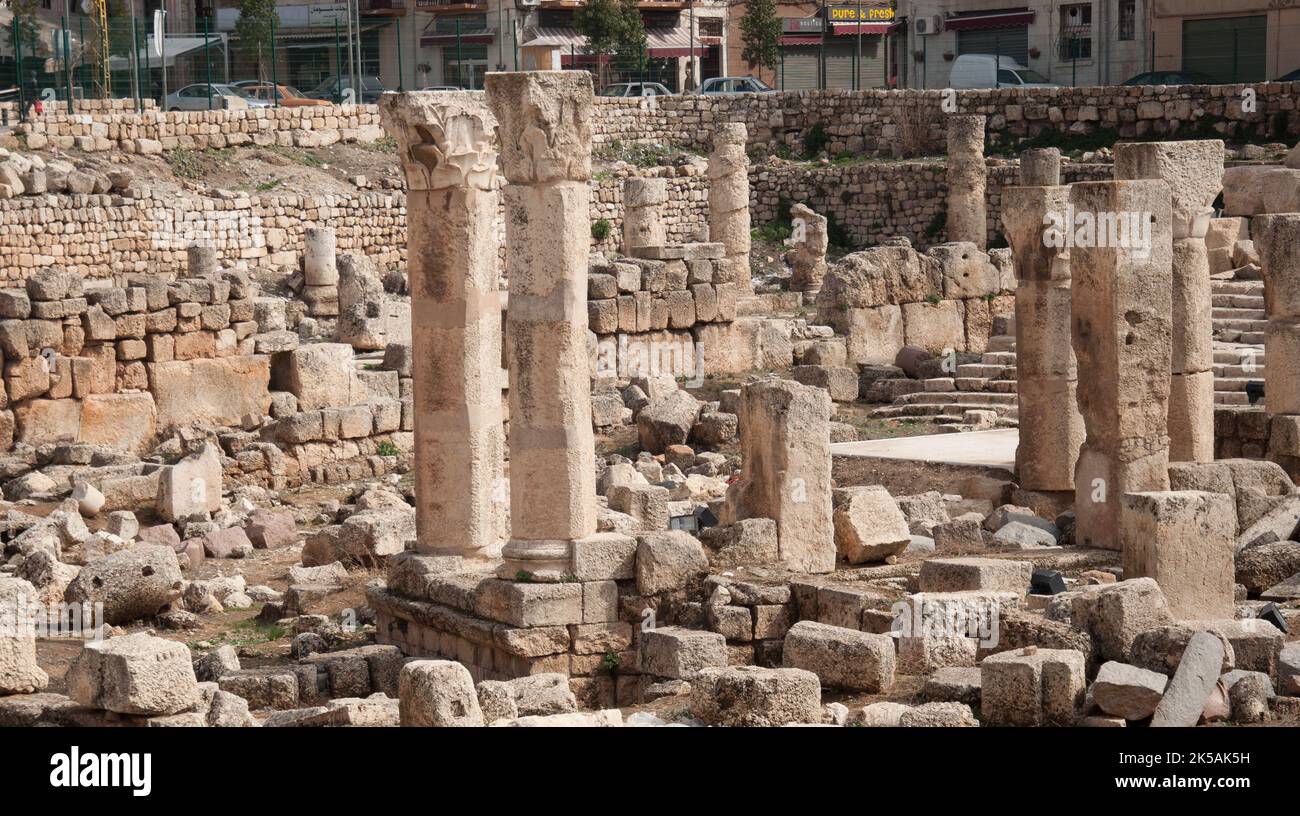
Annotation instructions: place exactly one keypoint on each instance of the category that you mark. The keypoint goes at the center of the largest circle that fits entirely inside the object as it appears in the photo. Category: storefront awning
(801, 39)
(841, 29)
(476, 36)
(975, 21)
(660, 42)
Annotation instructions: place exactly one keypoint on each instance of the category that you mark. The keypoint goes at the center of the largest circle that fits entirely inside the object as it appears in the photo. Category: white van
(990, 71)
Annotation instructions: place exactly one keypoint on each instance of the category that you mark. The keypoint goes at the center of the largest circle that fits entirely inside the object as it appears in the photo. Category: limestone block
(868, 524)
(135, 674)
(1032, 687)
(841, 658)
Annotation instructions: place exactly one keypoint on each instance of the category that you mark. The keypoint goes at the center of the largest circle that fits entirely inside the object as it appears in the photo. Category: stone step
(955, 410)
(1232, 383)
(1238, 301)
(1231, 398)
(1001, 342)
(976, 399)
(939, 385)
(980, 370)
(1234, 356)
(1221, 371)
(1248, 325)
(1007, 386)
(1002, 358)
(972, 383)
(1235, 287)
(1237, 313)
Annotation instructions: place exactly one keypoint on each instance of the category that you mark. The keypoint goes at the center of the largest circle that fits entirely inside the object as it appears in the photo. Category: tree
(612, 28)
(256, 27)
(28, 29)
(760, 31)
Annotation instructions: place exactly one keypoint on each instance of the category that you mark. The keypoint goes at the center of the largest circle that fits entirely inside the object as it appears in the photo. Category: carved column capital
(444, 139)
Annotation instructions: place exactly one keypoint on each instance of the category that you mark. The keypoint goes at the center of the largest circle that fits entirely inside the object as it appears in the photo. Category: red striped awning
(841, 29)
(801, 39)
(1013, 18)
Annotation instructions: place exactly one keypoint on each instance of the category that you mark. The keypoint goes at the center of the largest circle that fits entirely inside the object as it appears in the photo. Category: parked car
(202, 96)
(332, 89)
(1171, 78)
(724, 85)
(290, 97)
(636, 89)
(442, 88)
(992, 71)
(1294, 76)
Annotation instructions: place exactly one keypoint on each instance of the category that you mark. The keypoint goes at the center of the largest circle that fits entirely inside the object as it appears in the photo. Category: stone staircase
(990, 384)
(1239, 311)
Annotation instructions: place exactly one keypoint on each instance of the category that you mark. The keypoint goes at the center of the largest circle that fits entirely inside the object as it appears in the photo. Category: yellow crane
(99, 10)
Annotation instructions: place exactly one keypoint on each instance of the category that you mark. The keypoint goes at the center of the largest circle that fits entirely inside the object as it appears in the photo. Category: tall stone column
(1278, 239)
(967, 178)
(446, 145)
(1051, 428)
(643, 225)
(1194, 172)
(545, 131)
(729, 202)
(1120, 305)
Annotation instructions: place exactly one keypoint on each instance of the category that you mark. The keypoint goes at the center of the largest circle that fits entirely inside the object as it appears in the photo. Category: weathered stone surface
(668, 561)
(1032, 687)
(1185, 541)
(438, 693)
(1114, 615)
(540, 695)
(130, 584)
(958, 574)
(868, 524)
(192, 485)
(754, 696)
(1198, 671)
(1128, 691)
(841, 658)
(678, 653)
(19, 672)
(134, 674)
(220, 391)
(320, 375)
(785, 448)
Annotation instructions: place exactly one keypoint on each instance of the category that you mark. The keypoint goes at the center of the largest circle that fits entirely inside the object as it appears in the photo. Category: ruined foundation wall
(911, 123)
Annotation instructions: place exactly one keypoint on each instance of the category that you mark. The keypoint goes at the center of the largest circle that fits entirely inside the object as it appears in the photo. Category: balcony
(448, 6)
(383, 8)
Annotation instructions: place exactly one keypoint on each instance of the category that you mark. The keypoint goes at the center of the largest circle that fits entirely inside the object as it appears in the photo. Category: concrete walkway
(996, 448)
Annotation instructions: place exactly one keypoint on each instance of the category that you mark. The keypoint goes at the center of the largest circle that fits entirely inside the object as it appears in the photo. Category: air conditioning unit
(527, 4)
(929, 24)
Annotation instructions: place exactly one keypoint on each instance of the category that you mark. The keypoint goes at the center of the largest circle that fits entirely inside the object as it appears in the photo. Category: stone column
(1051, 428)
(545, 132)
(1040, 167)
(1194, 172)
(446, 145)
(786, 454)
(967, 177)
(643, 225)
(1278, 240)
(807, 256)
(1120, 305)
(320, 272)
(729, 203)
(201, 260)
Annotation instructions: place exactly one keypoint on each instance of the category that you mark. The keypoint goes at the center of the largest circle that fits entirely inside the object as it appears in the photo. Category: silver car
(202, 96)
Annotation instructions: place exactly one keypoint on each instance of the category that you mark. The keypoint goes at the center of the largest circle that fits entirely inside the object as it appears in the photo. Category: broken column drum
(967, 177)
(728, 174)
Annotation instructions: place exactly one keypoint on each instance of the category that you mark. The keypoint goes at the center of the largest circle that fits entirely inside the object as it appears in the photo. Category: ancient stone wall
(153, 131)
(911, 123)
(96, 236)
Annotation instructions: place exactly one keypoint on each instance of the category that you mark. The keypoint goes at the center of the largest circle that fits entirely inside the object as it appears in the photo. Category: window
(1006, 77)
(1076, 31)
(1128, 19)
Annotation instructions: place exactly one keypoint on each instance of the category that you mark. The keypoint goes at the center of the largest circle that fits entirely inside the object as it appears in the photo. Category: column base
(537, 561)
